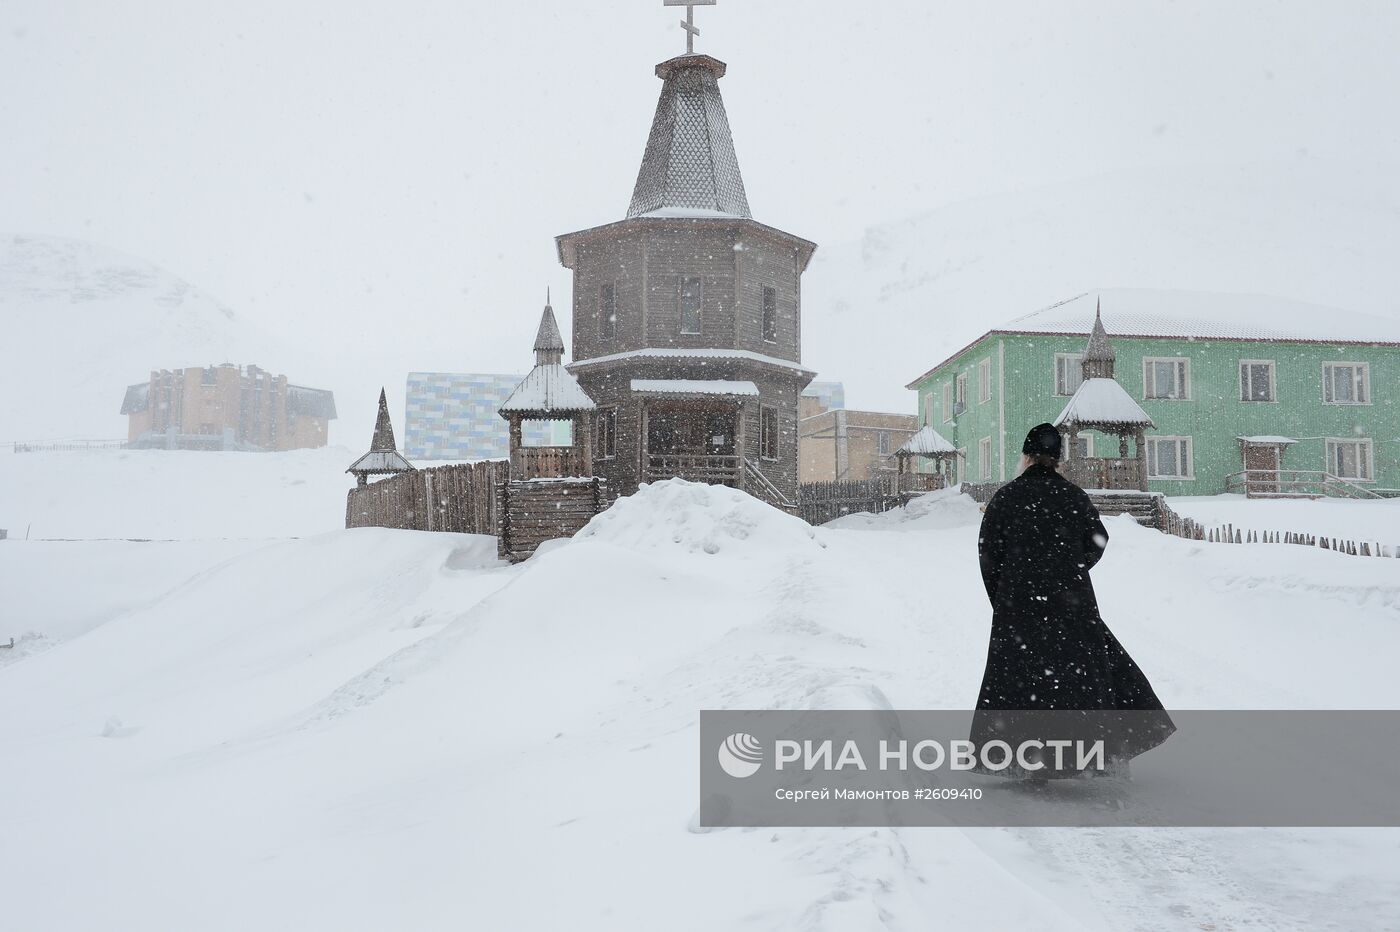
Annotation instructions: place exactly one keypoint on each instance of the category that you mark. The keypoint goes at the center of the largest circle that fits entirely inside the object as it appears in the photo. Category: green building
(1230, 382)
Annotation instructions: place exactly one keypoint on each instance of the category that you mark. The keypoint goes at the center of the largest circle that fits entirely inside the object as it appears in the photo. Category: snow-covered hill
(880, 311)
(375, 729)
(84, 321)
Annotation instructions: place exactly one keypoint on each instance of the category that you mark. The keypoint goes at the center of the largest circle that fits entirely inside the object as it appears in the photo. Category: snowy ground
(1332, 517)
(379, 729)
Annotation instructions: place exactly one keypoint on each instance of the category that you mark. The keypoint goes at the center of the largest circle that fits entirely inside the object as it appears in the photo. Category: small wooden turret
(383, 458)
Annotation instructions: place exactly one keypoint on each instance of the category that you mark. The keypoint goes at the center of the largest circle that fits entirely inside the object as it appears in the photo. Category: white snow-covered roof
(1195, 315)
(657, 352)
(1140, 312)
(1267, 439)
(1103, 401)
(380, 461)
(926, 442)
(693, 387)
(548, 388)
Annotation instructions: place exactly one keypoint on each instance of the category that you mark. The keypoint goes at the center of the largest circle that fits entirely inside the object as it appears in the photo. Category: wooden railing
(547, 463)
(1102, 472)
(760, 486)
(1294, 483)
(919, 482)
(697, 467)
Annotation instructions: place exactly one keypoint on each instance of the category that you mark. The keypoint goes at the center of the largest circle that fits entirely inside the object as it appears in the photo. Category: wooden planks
(460, 497)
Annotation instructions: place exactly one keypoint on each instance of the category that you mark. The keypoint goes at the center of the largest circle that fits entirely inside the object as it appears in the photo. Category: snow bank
(691, 517)
(932, 511)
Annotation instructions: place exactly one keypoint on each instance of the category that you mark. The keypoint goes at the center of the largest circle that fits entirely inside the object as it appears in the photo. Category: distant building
(1288, 396)
(226, 407)
(821, 396)
(836, 443)
(453, 416)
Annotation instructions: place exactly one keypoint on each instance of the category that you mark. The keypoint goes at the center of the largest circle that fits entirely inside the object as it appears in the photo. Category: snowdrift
(692, 517)
(378, 729)
(932, 511)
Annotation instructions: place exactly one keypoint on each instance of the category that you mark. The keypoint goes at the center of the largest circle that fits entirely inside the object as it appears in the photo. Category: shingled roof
(689, 168)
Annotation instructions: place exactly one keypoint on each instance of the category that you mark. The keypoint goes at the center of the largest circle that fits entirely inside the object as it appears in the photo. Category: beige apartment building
(226, 407)
(837, 443)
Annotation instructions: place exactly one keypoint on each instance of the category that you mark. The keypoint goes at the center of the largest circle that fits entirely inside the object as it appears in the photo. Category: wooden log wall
(536, 510)
(460, 497)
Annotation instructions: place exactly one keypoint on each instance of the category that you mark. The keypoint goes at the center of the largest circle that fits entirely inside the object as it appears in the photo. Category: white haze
(379, 185)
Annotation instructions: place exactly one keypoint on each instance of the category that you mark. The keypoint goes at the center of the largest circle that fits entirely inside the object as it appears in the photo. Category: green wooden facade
(1011, 385)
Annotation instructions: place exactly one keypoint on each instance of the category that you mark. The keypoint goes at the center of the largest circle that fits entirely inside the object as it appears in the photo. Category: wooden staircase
(1144, 507)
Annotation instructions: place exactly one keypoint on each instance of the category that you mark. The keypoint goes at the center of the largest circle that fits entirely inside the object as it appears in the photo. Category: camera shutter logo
(740, 755)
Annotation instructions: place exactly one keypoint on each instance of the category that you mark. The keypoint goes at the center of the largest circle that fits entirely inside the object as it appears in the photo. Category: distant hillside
(880, 311)
(84, 321)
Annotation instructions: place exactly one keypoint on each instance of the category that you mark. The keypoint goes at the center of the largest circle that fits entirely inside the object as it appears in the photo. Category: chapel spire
(1098, 357)
(689, 166)
(549, 343)
(383, 428)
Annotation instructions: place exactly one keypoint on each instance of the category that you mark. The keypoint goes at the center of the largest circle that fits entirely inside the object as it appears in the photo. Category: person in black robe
(1050, 651)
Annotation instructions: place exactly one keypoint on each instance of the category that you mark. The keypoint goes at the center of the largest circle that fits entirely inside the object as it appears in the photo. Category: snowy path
(376, 729)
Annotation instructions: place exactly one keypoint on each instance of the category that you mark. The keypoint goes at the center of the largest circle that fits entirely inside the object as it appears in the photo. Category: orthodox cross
(688, 24)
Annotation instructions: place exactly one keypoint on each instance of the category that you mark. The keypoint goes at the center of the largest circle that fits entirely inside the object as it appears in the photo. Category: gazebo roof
(1103, 402)
(547, 389)
(381, 461)
(926, 442)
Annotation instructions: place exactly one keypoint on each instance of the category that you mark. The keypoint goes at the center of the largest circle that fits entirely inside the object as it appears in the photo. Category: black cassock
(1049, 649)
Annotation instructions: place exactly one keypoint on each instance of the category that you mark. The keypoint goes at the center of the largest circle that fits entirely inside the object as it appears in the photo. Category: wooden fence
(820, 502)
(460, 497)
(1173, 523)
(537, 510)
(66, 446)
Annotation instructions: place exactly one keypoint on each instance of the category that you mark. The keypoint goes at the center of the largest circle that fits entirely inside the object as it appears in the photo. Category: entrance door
(1261, 464)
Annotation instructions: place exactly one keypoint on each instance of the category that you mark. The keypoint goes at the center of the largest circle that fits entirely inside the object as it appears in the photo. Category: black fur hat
(1043, 440)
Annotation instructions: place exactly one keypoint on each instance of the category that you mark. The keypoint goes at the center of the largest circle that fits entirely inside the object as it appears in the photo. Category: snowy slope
(85, 321)
(375, 729)
(173, 494)
(919, 289)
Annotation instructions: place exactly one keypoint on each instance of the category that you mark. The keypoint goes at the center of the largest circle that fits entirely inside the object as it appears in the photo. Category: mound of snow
(696, 518)
(933, 511)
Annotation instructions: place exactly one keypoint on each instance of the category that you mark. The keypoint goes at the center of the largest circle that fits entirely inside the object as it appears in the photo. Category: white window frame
(884, 442)
(960, 392)
(1189, 460)
(984, 381)
(1073, 366)
(1362, 444)
(607, 326)
(928, 407)
(947, 402)
(1088, 439)
(606, 415)
(764, 412)
(984, 455)
(1329, 382)
(1185, 371)
(699, 305)
(960, 465)
(1273, 381)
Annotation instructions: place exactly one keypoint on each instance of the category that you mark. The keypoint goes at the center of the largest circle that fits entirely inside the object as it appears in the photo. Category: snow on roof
(1267, 439)
(1103, 401)
(1138, 312)
(675, 353)
(690, 212)
(381, 461)
(137, 398)
(693, 387)
(927, 442)
(1195, 315)
(549, 387)
(312, 402)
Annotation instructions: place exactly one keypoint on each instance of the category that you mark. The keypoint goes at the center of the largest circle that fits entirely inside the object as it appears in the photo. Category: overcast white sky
(323, 166)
